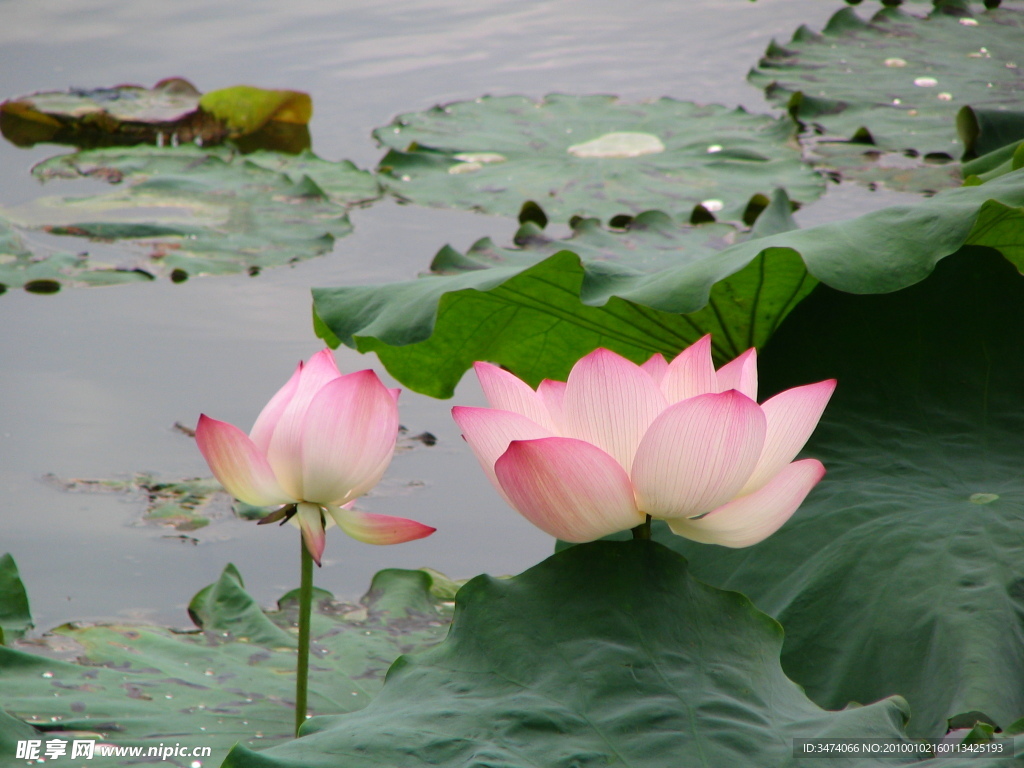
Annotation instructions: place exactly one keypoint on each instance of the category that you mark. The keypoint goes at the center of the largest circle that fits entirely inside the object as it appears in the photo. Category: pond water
(93, 380)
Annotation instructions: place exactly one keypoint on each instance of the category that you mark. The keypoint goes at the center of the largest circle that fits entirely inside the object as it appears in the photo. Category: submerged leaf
(233, 680)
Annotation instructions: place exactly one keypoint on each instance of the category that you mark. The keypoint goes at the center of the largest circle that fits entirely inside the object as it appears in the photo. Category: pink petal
(310, 521)
(552, 393)
(568, 488)
(656, 367)
(378, 529)
(792, 416)
(506, 392)
(285, 448)
(489, 432)
(691, 373)
(698, 454)
(740, 374)
(348, 437)
(611, 402)
(753, 518)
(238, 464)
(267, 421)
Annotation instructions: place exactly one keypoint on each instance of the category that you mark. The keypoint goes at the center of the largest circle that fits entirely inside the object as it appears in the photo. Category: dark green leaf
(538, 320)
(15, 617)
(607, 654)
(902, 572)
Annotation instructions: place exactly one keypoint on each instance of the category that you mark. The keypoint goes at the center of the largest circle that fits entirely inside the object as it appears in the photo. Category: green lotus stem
(643, 531)
(305, 611)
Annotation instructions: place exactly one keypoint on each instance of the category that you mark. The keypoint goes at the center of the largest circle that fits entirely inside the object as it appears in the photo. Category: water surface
(93, 380)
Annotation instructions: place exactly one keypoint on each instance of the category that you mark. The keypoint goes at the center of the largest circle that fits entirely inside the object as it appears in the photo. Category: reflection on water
(93, 380)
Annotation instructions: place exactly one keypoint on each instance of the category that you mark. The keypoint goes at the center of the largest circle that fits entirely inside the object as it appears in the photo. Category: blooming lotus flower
(322, 441)
(678, 441)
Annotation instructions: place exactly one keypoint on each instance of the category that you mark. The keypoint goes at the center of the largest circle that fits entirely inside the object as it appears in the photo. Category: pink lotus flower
(678, 441)
(322, 441)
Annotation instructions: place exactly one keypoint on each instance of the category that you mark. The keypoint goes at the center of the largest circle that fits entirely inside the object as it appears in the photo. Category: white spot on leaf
(624, 144)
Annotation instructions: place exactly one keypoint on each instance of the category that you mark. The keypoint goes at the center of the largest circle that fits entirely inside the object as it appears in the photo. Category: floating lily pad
(232, 680)
(537, 320)
(898, 80)
(187, 211)
(341, 180)
(607, 654)
(171, 112)
(902, 571)
(46, 270)
(591, 156)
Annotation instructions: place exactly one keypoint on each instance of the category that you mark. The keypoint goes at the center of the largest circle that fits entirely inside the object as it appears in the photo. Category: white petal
(753, 518)
(348, 437)
(691, 373)
(506, 392)
(791, 417)
(285, 448)
(610, 402)
(489, 432)
(740, 374)
(698, 454)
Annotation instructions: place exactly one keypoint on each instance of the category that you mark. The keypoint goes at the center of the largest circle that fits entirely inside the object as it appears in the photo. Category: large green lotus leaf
(538, 320)
(609, 653)
(15, 617)
(231, 681)
(591, 156)
(902, 573)
(187, 211)
(898, 80)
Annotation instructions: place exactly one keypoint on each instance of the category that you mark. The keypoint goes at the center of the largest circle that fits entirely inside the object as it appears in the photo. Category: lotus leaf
(901, 572)
(232, 680)
(898, 80)
(537, 320)
(609, 653)
(591, 156)
(185, 211)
